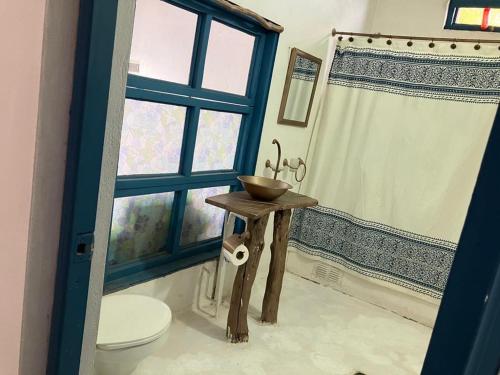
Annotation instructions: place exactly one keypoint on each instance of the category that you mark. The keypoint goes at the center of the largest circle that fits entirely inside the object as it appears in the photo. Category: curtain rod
(378, 35)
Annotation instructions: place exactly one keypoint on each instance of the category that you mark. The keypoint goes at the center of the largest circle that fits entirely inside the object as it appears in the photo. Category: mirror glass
(300, 85)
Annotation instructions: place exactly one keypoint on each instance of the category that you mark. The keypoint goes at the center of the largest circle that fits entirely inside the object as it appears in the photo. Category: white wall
(20, 76)
(422, 17)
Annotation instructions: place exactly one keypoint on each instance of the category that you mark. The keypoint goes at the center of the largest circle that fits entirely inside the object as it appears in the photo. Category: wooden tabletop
(243, 204)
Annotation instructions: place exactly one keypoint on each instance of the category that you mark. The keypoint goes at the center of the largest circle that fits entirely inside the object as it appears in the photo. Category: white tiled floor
(320, 331)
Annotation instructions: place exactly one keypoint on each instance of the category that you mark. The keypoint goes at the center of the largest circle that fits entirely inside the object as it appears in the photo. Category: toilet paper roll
(234, 249)
(238, 257)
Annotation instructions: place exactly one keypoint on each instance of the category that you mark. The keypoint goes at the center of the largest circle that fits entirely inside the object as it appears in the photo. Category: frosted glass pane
(201, 220)
(139, 226)
(162, 41)
(151, 138)
(216, 140)
(229, 56)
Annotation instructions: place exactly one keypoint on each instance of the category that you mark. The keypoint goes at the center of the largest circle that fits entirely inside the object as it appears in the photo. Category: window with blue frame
(195, 99)
(478, 15)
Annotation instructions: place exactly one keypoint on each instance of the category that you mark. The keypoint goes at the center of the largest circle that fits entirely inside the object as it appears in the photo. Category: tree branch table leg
(276, 267)
(237, 326)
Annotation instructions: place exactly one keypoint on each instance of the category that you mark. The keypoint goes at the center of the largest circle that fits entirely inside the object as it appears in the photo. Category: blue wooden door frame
(93, 57)
(463, 341)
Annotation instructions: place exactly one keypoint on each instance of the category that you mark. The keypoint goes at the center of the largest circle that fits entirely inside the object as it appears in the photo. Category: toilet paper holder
(235, 240)
(234, 249)
(230, 244)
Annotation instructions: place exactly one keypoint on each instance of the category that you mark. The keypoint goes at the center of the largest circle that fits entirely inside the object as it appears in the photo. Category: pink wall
(21, 32)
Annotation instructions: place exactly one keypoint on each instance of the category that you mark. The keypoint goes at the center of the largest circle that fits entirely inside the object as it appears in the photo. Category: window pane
(470, 16)
(201, 220)
(484, 17)
(229, 56)
(162, 41)
(139, 226)
(151, 138)
(494, 19)
(216, 140)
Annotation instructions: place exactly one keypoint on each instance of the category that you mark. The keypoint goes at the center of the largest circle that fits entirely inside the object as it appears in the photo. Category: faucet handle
(272, 166)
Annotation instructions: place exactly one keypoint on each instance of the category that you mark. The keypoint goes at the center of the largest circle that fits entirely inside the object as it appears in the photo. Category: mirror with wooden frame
(300, 85)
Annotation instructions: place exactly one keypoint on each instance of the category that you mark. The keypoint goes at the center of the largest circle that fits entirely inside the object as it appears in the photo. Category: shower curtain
(395, 157)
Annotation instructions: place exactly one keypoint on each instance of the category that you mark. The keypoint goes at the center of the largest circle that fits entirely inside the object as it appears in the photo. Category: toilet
(131, 327)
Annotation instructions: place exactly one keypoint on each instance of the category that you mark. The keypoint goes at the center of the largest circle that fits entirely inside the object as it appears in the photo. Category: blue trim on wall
(155, 85)
(96, 30)
(189, 143)
(186, 101)
(200, 54)
(475, 3)
(138, 185)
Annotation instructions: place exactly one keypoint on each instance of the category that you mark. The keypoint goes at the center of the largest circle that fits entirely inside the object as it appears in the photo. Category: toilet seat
(131, 320)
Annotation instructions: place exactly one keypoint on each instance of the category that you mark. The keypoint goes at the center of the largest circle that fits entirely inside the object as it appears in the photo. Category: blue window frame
(453, 15)
(195, 98)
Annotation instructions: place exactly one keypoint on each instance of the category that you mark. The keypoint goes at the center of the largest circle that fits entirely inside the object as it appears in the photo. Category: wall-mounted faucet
(294, 165)
(268, 162)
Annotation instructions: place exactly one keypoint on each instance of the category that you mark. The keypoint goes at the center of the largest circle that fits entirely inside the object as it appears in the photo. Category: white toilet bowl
(131, 327)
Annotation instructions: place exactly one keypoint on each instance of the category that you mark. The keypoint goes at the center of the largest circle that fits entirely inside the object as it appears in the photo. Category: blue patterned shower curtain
(395, 157)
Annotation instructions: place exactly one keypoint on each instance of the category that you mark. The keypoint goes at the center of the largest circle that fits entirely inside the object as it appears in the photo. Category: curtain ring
(389, 41)
(410, 43)
(477, 46)
(431, 44)
(351, 39)
(454, 44)
(340, 38)
(369, 40)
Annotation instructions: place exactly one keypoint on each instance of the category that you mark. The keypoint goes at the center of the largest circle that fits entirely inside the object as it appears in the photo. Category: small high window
(479, 15)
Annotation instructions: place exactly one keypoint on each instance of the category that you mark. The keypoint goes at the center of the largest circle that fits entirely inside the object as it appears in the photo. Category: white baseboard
(328, 273)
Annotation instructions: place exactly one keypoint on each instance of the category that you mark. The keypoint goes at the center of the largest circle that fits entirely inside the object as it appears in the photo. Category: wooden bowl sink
(263, 188)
